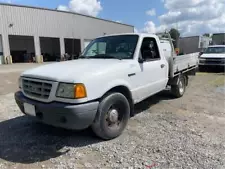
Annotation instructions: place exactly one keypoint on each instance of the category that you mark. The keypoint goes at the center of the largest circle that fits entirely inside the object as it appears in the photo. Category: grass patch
(219, 81)
(201, 73)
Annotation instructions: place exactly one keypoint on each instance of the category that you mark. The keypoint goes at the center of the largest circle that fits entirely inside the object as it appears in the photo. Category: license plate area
(29, 109)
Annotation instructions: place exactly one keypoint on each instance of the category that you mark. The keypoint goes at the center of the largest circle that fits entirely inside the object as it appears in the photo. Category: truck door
(154, 69)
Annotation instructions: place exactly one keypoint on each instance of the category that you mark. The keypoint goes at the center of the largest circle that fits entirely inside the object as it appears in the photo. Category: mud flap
(174, 81)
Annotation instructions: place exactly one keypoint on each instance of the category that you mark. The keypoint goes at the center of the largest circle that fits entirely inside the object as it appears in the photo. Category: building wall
(38, 22)
(47, 23)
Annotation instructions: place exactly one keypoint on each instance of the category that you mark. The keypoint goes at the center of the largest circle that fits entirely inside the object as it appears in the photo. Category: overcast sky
(191, 17)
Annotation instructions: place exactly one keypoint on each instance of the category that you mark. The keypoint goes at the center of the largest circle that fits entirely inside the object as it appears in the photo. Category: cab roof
(139, 34)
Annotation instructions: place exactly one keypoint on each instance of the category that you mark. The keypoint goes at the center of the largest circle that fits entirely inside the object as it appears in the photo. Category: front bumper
(62, 115)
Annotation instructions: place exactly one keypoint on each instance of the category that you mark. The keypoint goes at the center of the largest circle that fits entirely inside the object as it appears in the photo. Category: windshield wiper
(104, 56)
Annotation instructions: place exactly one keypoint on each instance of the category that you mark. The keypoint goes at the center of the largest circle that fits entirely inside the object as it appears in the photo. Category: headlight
(202, 60)
(71, 91)
(20, 82)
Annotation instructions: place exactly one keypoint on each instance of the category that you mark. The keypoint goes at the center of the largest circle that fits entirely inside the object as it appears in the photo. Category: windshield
(215, 50)
(112, 47)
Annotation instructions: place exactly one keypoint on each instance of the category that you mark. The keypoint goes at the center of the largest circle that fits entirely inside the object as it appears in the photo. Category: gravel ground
(165, 133)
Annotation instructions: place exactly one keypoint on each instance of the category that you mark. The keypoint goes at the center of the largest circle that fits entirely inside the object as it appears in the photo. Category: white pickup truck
(99, 90)
(213, 56)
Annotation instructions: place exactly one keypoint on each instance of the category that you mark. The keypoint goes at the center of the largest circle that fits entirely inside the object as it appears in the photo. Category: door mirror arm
(141, 60)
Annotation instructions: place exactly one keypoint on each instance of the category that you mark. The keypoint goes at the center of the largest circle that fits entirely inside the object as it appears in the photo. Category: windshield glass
(215, 50)
(112, 47)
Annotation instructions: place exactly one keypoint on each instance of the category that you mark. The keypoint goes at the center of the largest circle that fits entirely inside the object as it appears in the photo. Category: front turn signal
(79, 91)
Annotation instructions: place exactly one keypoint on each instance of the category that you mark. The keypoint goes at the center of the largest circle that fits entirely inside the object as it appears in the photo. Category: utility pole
(177, 38)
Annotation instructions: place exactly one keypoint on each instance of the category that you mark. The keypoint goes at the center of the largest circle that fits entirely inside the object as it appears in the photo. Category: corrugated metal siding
(46, 23)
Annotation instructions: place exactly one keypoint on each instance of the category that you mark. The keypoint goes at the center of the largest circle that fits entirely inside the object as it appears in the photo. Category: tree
(175, 35)
(206, 35)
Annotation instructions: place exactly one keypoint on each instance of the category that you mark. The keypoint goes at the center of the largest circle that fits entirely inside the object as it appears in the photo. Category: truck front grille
(213, 60)
(37, 89)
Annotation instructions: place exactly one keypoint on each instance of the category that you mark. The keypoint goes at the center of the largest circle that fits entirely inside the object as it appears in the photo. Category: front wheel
(112, 117)
(179, 89)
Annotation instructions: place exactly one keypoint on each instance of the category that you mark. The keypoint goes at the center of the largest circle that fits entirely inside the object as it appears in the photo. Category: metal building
(29, 32)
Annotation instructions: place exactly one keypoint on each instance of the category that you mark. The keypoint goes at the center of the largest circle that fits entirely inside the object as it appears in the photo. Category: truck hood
(211, 55)
(72, 71)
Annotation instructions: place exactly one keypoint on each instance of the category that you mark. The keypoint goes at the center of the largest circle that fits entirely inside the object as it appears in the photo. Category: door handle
(163, 65)
(132, 74)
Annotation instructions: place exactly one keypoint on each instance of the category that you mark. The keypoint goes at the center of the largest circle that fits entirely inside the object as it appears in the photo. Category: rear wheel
(179, 89)
(112, 117)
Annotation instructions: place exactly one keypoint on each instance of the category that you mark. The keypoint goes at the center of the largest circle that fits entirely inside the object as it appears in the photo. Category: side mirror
(141, 60)
(200, 53)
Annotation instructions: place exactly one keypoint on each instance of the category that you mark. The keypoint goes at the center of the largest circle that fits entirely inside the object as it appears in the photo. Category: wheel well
(126, 92)
(174, 80)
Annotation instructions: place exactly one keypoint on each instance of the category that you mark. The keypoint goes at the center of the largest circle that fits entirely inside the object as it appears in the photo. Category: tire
(179, 89)
(112, 116)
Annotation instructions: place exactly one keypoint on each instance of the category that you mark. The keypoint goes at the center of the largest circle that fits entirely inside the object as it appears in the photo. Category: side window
(149, 49)
(102, 47)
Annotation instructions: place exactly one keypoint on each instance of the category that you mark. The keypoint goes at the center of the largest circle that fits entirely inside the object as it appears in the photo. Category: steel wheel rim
(114, 117)
(181, 87)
